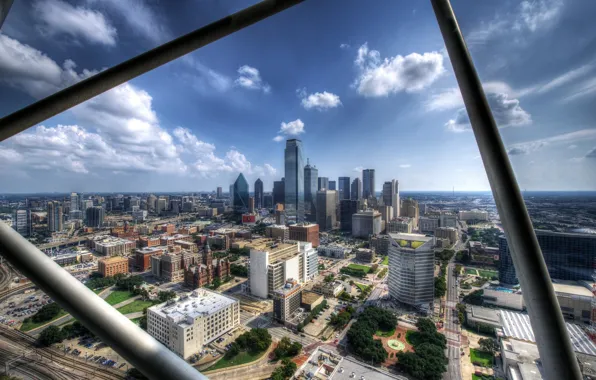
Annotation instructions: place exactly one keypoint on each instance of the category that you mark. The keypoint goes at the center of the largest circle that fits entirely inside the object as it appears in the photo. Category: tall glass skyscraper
(368, 183)
(294, 186)
(279, 192)
(332, 185)
(344, 188)
(568, 256)
(323, 183)
(240, 194)
(259, 194)
(311, 176)
(356, 193)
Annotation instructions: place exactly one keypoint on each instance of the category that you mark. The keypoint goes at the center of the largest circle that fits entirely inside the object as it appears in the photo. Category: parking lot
(316, 326)
(20, 306)
(93, 350)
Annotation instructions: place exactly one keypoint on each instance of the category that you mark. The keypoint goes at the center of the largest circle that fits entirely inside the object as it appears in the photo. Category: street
(452, 330)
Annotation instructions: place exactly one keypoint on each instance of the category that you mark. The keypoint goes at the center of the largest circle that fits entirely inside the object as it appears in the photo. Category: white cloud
(379, 78)
(566, 78)
(319, 100)
(537, 14)
(359, 169)
(292, 128)
(565, 138)
(344, 46)
(58, 17)
(270, 170)
(507, 113)
(250, 78)
(278, 138)
(585, 88)
(451, 98)
(572, 146)
(405, 166)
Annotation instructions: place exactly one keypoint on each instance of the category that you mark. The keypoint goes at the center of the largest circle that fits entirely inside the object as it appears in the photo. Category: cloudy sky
(362, 86)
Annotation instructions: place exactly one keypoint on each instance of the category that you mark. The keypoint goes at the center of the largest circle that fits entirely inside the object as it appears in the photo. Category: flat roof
(571, 287)
(310, 297)
(368, 372)
(199, 303)
(484, 314)
(409, 237)
(114, 259)
(517, 326)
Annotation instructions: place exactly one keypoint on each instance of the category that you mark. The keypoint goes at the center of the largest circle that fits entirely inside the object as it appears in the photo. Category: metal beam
(140, 349)
(119, 74)
(554, 345)
(4, 9)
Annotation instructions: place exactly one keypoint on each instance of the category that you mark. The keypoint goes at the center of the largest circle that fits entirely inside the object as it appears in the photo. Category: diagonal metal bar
(140, 349)
(554, 345)
(4, 9)
(114, 76)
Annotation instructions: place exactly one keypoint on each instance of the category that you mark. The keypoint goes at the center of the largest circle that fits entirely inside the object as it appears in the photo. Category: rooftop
(150, 250)
(310, 297)
(571, 287)
(360, 370)
(288, 288)
(114, 259)
(110, 241)
(411, 241)
(199, 303)
(484, 314)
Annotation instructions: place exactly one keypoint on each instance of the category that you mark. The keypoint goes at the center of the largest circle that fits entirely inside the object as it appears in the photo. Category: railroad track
(32, 368)
(90, 370)
(5, 276)
(10, 292)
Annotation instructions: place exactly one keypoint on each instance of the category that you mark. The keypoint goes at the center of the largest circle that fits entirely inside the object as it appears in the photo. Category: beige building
(286, 300)
(366, 223)
(112, 246)
(111, 266)
(188, 324)
(400, 225)
(271, 264)
(277, 232)
(449, 233)
(409, 208)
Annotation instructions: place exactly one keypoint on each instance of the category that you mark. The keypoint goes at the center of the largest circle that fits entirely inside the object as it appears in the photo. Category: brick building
(305, 232)
(142, 257)
(148, 241)
(202, 274)
(113, 265)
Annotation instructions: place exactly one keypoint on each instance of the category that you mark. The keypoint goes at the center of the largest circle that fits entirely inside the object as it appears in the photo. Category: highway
(452, 330)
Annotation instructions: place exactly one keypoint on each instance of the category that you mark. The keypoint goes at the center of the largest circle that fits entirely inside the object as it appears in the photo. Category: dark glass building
(368, 183)
(344, 188)
(279, 191)
(240, 194)
(311, 175)
(323, 183)
(356, 193)
(347, 208)
(332, 185)
(568, 256)
(95, 216)
(259, 204)
(294, 186)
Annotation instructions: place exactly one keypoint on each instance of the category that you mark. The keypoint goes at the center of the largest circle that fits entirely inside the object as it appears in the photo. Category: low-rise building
(428, 224)
(148, 241)
(400, 224)
(170, 266)
(142, 257)
(277, 232)
(504, 297)
(305, 232)
(473, 215)
(335, 251)
(310, 300)
(380, 244)
(111, 246)
(329, 289)
(188, 324)
(365, 255)
(111, 266)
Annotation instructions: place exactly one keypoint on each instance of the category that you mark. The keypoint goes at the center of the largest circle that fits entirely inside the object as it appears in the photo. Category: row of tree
(356, 272)
(360, 335)
(254, 341)
(286, 348)
(342, 319)
(428, 362)
(55, 334)
(120, 280)
(286, 371)
(46, 313)
(239, 270)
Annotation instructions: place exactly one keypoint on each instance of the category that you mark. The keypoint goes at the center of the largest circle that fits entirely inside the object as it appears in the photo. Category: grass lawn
(360, 286)
(471, 271)
(481, 358)
(487, 273)
(416, 244)
(135, 306)
(27, 326)
(118, 296)
(385, 260)
(476, 377)
(385, 334)
(242, 358)
(365, 268)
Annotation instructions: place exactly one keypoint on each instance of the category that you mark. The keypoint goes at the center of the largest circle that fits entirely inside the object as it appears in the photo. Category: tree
(238, 270)
(216, 283)
(233, 350)
(329, 278)
(440, 286)
(49, 336)
(289, 367)
(458, 268)
(164, 296)
(426, 325)
(46, 313)
(488, 345)
(475, 298)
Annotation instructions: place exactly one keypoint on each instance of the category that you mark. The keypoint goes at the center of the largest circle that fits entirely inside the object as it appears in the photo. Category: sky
(362, 86)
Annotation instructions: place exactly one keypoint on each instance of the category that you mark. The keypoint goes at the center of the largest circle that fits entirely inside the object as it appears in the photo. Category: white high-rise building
(411, 270)
(74, 202)
(188, 324)
(22, 222)
(310, 259)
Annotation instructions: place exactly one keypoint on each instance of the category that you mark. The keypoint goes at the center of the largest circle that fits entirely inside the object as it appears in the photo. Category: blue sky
(363, 87)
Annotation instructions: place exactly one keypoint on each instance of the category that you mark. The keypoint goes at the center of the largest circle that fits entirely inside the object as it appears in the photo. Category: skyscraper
(240, 191)
(356, 193)
(344, 188)
(74, 202)
(259, 204)
(219, 192)
(368, 183)
(323, 183)
(332, 185)
(391, 196)
(54, 216)
(279, 191)
(347, 208)
(311, 174)
(326, 209)
(251, 205)
(409, 208)
(22, 222)
(95, 216)
(294, 186)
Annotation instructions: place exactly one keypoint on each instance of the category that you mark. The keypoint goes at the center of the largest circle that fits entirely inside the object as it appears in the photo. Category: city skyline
(197, 123)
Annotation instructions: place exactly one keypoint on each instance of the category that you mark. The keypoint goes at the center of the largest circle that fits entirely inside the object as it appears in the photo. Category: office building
(368, 183)
(380, 244)
(95, 216)
(251, 205)
(332, 185)
(334, 251)
(280, 217)
(286, 300)
(138, 215)
(305, 232)
(326, 210)
(365, 255)
(21, 222)
(366, 223)
(232, 195)
(112, 266)
(271, 264)
(344, 188)
(268, 201)
(294, 186)
(310, 260)
(171, 265)
(568, 256)
(219, 193)
(74, 202)
(409, 209)
(356, 190)
(447, 219)
(428, 224)
(187, 324)
(162, 205)
(473, 215)
(323, 183)
(347, 208)
(279, 191)
(277, 232)
(55, 217)
(111, 246)
(311, 176)
(449, 233)
(391, 196)
(259, 200)
(411, 270)
(240, 195)
(386, 215)
(399, 225)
